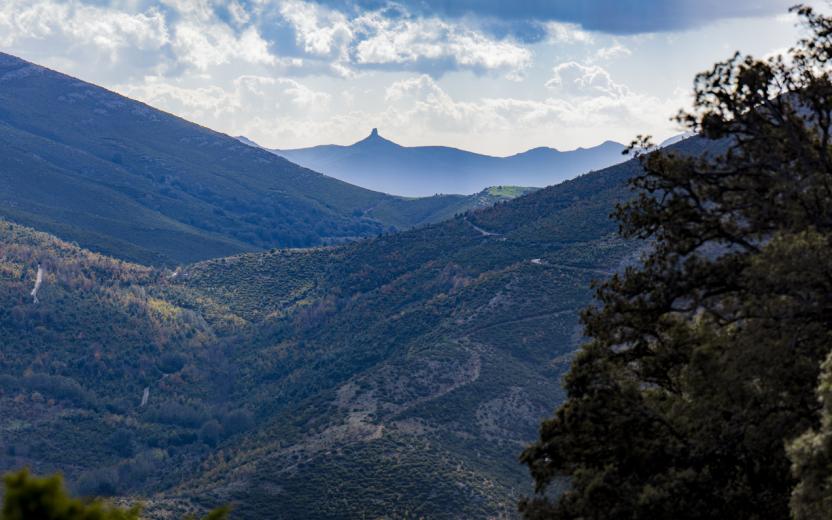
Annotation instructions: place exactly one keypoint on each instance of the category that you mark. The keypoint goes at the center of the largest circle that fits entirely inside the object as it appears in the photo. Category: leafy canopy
(31, 498)
(702, 362)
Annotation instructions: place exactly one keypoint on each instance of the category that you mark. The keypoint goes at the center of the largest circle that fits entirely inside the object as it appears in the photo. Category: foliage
(811, 456)
(438, 337)
(508, 192)
(27, 497)
(74, 366)
(441, 336)
(702, 360)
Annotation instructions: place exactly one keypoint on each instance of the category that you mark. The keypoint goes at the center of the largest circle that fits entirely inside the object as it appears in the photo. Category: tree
(811, 454)
(31, 498)
(702, 362)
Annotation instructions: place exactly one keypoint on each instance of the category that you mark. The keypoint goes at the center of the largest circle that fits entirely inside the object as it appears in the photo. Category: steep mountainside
(74, 366)
(390, 377)
(379, 164)
(406, 373)
(124, 179)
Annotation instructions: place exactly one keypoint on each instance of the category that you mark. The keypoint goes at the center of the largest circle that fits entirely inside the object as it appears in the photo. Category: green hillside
(408, 212)
(129, 181)
(411, 368)
(74, 366)
(394, 376)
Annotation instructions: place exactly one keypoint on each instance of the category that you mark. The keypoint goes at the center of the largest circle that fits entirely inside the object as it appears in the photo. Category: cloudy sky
(494, 76)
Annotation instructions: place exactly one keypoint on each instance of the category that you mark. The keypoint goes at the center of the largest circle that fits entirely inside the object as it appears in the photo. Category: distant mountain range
(122, 178)
(379, 164)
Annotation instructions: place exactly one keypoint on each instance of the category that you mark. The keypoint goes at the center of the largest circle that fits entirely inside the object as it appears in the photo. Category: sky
(492, 76)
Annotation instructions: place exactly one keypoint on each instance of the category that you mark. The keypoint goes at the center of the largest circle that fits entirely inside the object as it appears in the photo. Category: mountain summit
(374, 139)
(383, 165)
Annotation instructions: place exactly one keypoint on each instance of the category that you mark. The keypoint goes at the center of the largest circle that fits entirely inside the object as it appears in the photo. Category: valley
(487, 308)
(404, 356)
(421, 361)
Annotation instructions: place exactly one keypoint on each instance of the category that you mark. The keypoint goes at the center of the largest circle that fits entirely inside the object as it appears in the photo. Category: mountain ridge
(378, 163)
(128, 180)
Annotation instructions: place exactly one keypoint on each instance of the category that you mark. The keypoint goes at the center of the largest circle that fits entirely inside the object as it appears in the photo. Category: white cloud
(574, 79)
(270, 109)
(558, 32)
(616, 50)
(196, 103)
(247, 95)
(205, 46)
(137, 43)
(419, 106)
(318, 31)
(177, 35)
(379, 38)
(286, 95)
(265, 68)
(79, 25)
(402, 40)
(194, 9)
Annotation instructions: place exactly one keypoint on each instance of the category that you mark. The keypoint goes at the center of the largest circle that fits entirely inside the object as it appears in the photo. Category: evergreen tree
(703, 361)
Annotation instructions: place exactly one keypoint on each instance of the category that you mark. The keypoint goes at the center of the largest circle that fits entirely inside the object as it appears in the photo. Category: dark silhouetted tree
(703, 361)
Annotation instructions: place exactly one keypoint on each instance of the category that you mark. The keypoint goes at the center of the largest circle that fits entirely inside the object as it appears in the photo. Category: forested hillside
(409, 369)
(75, 365)
(415, 365)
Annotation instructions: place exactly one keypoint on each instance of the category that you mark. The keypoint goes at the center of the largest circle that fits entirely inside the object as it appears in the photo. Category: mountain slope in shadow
(122, 178)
